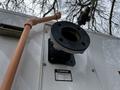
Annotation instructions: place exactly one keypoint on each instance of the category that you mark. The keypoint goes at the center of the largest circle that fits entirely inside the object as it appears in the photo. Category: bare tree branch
(110, 18)
(52, 8)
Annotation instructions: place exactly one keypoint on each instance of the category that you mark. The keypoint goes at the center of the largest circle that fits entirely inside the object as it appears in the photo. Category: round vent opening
(70, 34)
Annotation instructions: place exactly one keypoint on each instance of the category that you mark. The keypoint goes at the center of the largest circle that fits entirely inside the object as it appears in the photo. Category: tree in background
(104, 14)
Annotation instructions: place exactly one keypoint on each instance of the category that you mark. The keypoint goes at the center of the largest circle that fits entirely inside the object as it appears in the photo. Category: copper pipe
(12, 67)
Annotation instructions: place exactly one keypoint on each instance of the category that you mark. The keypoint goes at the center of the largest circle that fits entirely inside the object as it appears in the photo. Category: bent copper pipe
(12, 67)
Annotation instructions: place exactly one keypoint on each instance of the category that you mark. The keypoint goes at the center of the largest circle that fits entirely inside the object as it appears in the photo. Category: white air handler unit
(54, 64)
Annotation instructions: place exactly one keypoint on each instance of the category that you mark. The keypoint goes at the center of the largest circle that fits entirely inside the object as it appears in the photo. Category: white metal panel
(7, 46)
(13, 18)
(29, 72)
(102, 56)
(105, 53)
(83, 77)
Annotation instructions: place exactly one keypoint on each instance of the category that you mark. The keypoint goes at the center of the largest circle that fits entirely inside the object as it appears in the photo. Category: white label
(63, 75)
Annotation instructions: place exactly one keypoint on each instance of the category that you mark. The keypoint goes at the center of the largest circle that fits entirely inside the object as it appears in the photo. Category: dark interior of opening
(10, 31)
(70, 34)
(119, 72)
(59, 57)
(11, 27)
